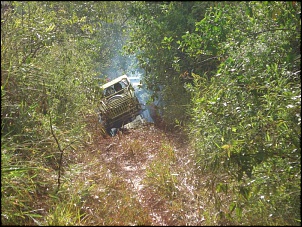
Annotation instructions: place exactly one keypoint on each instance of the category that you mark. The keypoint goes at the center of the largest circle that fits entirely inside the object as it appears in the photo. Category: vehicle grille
(119, 106)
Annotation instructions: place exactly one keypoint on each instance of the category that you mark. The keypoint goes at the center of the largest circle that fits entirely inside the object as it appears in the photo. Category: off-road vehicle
(119, 104)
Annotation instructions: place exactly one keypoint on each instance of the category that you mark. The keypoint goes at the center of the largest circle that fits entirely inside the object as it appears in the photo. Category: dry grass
(138, 177)
(142, 176)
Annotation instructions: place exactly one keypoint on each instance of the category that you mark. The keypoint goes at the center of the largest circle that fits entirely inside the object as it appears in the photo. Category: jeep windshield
(115, 86)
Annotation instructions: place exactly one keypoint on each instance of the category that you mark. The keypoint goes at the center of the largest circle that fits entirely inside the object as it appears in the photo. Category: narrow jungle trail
(158, 170)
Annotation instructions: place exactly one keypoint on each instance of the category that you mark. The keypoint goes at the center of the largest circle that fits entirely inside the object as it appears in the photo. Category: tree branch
(61, 152)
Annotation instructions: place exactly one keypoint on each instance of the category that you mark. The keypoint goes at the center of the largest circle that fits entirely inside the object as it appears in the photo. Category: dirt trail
(130, 152)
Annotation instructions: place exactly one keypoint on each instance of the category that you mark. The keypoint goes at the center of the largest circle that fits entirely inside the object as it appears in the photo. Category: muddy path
(130, 153)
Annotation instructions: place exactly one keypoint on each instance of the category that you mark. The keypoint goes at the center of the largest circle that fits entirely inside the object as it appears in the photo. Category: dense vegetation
(53, 55)
(226, 73)
(243, 66)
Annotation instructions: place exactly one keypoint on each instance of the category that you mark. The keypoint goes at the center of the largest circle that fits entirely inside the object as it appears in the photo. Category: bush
(246, 117)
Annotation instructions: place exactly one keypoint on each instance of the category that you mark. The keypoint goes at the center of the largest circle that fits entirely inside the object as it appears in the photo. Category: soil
(150, 138)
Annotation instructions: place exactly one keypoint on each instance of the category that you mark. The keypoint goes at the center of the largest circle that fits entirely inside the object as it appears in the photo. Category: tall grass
(21, 185)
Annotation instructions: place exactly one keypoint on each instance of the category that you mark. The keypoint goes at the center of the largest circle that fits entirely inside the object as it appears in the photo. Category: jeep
(119, 104)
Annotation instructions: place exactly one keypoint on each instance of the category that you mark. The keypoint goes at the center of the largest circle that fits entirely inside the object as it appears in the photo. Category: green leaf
(238, 211)
(232, 206)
